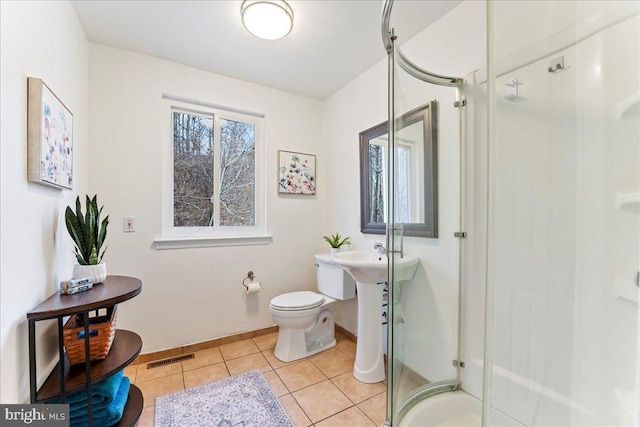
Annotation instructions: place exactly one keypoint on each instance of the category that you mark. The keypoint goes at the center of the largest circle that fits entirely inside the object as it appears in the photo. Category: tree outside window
(214, 171)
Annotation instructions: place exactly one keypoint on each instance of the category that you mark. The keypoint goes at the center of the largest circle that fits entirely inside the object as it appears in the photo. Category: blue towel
(103, 392)
(106, 417)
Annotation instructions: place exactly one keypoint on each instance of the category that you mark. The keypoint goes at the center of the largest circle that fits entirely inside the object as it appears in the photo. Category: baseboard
(172, 352)
(410, 374)
(177, 351)
(352, 337)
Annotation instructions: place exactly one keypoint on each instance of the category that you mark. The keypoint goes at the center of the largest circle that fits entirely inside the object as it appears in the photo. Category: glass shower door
(425, 188)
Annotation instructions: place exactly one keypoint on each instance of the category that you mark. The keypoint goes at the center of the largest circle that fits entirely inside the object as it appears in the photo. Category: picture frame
(296, 173)
(49, 137)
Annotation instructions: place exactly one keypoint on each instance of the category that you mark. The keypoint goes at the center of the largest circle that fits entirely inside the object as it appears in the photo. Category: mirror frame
(429, 228)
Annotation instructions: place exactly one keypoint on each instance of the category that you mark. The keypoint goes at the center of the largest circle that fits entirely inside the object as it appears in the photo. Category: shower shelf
(629, 107)
(627, 292)
(625, 406)
(628, 202)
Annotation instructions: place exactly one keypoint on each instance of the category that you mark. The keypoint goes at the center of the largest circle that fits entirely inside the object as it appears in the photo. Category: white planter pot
(97, 272)
(334, 251)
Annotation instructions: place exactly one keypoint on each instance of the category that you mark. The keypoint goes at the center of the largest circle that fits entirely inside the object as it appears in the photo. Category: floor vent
(169, 361)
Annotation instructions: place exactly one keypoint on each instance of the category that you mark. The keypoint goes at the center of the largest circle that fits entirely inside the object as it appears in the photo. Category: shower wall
(564, 209)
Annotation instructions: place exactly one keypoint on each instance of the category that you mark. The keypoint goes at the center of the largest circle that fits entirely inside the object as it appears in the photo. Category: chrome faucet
(377, 246)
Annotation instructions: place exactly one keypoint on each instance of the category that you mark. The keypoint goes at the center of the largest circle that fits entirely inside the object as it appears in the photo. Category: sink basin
(369, 268)
(364, 266)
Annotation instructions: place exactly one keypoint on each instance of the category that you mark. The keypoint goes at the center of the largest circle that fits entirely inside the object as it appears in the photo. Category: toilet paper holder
(250, 278)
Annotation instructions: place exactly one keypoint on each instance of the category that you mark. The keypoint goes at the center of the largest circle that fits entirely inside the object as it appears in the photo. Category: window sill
(206, 242)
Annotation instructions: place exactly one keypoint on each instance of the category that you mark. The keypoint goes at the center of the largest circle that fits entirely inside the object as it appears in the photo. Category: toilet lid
(301, 300)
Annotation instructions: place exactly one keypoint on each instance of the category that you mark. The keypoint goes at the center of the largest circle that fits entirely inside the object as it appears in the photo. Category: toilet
(305, 318)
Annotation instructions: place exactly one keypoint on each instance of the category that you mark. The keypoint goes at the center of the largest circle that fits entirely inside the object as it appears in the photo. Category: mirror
(416, 174)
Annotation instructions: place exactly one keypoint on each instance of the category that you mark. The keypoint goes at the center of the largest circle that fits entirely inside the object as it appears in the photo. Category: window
(193, 170)
(200, 167)
(377, 181)
(215, 191)
(403, 183)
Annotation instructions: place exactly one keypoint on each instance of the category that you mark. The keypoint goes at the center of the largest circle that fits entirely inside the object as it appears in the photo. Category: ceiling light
(267, 19)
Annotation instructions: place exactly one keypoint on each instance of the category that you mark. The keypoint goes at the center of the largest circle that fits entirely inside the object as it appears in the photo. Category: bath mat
(244, 400)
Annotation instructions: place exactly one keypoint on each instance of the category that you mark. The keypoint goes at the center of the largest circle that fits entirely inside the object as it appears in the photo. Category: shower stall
(524, 311)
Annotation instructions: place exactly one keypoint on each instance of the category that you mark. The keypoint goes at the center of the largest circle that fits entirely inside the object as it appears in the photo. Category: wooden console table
(65, 379)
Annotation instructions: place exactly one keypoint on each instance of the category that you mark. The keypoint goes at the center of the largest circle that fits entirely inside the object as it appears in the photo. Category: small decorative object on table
(88, 234)
(336, 241)
(102, 330)
(73, 286)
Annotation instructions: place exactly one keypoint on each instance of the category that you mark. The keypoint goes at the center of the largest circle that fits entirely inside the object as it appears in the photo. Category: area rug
(244, 400)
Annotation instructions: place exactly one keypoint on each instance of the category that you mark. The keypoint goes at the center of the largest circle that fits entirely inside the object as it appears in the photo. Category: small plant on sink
(336, 241)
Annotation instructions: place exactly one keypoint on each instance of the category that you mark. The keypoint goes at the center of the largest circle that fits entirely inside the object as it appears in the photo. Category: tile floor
(317, 391)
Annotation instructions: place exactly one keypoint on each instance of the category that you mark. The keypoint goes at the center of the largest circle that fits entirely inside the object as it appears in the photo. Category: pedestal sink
(369, 268)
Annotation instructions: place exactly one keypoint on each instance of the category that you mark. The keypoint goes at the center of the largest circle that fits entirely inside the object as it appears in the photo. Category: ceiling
(331, 43)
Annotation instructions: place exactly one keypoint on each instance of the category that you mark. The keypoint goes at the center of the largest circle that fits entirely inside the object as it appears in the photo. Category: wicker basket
(102, 330)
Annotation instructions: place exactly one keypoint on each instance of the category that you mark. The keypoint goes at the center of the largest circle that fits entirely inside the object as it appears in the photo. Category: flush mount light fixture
(267, 19)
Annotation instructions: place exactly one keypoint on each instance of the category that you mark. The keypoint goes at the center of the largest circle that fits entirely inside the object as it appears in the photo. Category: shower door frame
(395, 54)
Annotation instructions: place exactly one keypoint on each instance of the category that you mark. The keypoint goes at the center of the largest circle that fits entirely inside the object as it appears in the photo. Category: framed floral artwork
(49, 138)
(296, 173)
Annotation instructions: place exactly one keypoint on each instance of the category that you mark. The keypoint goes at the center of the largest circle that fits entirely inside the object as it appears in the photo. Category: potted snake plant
(88, 234)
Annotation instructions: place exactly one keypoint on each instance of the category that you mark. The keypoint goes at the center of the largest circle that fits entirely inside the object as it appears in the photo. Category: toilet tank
(333, 281)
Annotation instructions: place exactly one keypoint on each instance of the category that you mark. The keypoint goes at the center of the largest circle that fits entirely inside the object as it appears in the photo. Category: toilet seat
(297, 301)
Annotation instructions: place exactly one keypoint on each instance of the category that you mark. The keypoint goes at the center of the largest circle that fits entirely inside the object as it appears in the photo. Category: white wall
(194, 295)
(45, 40)
(356, 107)
(429, 302)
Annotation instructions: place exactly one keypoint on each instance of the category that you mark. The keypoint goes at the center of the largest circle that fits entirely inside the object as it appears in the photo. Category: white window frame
(186, 237)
